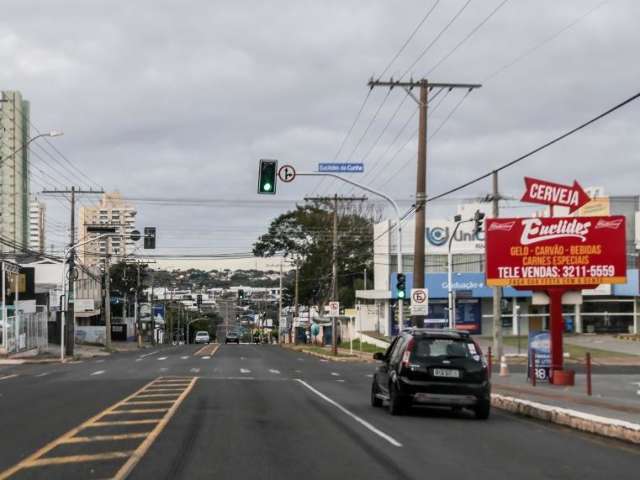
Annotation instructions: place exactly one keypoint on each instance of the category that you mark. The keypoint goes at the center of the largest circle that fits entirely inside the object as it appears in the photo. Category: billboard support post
(555, 312)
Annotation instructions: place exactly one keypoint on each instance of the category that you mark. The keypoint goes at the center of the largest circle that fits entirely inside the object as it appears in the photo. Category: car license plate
(446, 372)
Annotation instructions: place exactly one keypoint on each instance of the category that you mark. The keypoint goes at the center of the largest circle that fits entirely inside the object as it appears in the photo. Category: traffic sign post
(419, 301)
(287, 173)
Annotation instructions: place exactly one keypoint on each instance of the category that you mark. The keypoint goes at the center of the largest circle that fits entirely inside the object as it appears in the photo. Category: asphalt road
(259, 411)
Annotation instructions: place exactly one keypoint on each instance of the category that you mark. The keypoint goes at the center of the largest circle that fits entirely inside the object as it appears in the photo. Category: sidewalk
(51, 354)
(613, 410)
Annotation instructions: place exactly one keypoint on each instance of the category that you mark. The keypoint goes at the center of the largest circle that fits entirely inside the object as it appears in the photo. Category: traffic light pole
(398, 223)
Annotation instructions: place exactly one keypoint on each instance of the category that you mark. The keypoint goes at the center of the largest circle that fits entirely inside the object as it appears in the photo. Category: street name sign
(334, 309)
(549, 193)
(556, 251)
(286, 173)
(341, 167)
(419, 301)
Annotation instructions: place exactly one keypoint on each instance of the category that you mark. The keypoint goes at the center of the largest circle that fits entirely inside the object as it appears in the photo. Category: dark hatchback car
(432, 367)
(232, 337)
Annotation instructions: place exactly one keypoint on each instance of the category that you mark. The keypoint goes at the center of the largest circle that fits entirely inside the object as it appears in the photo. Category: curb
(628, 338)
(603, 426)
(329, 357)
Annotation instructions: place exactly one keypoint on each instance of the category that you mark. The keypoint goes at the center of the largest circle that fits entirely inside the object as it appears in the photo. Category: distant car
(232, 337)
(432, 367)
(202, 337)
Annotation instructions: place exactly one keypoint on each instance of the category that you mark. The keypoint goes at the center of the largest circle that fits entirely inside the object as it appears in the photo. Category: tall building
(37, 211)
(14, 170)
(114, 211)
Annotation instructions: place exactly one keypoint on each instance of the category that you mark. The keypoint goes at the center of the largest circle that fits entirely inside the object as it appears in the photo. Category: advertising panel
(540, 344)
(158, 313)
(559, 251)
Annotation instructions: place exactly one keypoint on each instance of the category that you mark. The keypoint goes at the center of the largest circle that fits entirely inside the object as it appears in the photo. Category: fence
(25, 332)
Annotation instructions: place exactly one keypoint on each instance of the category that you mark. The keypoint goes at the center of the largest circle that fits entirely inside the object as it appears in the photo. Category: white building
(114, 211)
(37, 212)
(14, 170)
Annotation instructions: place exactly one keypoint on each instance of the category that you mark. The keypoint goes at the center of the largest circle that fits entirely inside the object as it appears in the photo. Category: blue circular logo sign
(437, 236)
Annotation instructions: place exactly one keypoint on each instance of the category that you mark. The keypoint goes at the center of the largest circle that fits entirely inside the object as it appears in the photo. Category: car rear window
(434, 348)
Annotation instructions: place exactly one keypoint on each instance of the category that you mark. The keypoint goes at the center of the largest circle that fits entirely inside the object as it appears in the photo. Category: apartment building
(37, 211)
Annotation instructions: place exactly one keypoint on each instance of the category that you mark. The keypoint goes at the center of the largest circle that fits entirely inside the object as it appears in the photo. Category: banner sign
(561, 251)
(540, 343)
(341, 167)
(549, 193)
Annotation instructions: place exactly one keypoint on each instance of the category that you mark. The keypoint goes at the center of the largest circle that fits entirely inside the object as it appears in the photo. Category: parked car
(432, 367)
(202, 337)
(232, 337)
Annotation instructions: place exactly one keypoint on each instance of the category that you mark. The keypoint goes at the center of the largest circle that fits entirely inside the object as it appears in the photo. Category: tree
(305, 235)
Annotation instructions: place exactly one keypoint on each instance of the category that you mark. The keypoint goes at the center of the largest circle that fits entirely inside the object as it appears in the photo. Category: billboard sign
(158, 313)
(559, 251)
(540, 344)
(549, 193)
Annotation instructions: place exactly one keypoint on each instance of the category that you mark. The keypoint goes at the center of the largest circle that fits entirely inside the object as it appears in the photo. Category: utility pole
(280, 304)
(334, 257)
(69, 332)
(497, 291)
(107, 297)
(137, 307)
(296, 306)
(421, 177)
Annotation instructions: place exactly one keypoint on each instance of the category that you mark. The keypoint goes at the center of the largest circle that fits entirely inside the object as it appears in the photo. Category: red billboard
(560, 251)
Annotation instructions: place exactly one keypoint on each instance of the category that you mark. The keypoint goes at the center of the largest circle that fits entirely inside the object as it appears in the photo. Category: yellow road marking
(156, 395)
(123, 422)
(146, 443)
(79, 458)
(149, 402)
(203, 351)
(36, 460)
(106, 438)
(139, 410)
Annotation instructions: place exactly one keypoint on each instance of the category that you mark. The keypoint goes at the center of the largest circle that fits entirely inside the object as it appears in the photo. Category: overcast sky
(166, 99)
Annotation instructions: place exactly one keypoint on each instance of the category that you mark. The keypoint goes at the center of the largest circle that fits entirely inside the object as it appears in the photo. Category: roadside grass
(366, 347)
(575, 352)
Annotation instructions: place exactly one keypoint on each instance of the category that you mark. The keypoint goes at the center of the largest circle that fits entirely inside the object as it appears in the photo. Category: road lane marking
(43, 374)
(167, 409)
(43, 462)
(195, 370)
(7, 377)
(148, 354)
(162, 358)
(207, 350)
(163, 369)
(340, 380)
(98, 372)
(276, 372)
(369, 375)
(335, 374)
(99, 361)
(106, 438)
(244, 370)
(184, 357)
(207, 357)
(355, 417)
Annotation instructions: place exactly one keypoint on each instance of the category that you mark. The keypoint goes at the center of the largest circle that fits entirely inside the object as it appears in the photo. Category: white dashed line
(277, 372)
(162, 358)
(148, 354)
(369, 375)
(43, 374)
(195, 370)
(361, 421)
(206, 358)
(335, 374)
(7, 377)
(244, 370)
(340, 380)
(164, 369)
(99, 361)
(184, 357)
(98, 372)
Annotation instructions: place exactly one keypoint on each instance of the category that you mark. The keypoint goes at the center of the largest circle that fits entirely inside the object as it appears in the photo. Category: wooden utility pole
(71, 261)
(421, 176)
(334, 257)
(497, 291)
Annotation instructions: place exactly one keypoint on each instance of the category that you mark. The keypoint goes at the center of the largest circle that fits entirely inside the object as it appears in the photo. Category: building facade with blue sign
(606, 309)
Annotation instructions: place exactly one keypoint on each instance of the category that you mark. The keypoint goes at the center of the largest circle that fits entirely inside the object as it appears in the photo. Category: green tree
(304, 235)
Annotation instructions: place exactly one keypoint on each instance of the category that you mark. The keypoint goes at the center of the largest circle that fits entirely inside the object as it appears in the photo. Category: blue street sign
(341, 167)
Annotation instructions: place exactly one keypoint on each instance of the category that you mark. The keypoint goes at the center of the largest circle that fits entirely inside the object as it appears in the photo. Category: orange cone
(504, 369)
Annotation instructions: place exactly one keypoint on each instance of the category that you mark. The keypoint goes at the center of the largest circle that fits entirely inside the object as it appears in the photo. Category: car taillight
(407, 353)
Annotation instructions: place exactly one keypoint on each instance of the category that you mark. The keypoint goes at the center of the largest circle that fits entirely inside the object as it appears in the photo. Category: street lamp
(50, 133)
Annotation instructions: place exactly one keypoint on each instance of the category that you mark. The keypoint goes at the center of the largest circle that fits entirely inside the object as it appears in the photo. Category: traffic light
(401, 285)
(241, 294)
(199, 299)
(267, 176)
(149, 238)
(478, 218)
